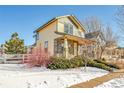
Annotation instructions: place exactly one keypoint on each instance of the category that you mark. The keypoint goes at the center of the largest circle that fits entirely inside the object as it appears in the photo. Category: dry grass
(119, 64)
(116, 63)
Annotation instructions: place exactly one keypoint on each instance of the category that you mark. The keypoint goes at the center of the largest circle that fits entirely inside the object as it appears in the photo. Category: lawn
(19, 76)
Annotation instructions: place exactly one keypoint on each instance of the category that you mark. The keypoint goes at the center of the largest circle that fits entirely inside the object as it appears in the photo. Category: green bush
(63, 63)
(78, 61)
(98, 65)
(59, 63)
(108, 64)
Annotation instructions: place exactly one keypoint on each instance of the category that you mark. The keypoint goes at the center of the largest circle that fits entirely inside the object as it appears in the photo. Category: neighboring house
(119, 51)
(98, 37)
(62, 36)
(110, 49)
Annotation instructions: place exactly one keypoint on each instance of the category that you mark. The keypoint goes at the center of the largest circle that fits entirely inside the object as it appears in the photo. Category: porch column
(66, 47)
(75, 49)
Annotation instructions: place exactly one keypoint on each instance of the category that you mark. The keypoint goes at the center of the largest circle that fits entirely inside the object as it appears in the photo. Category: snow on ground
(19, 76)
(114, 83)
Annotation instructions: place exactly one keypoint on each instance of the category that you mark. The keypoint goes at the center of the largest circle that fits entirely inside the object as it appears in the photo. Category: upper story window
(68, 28)
(79, 33)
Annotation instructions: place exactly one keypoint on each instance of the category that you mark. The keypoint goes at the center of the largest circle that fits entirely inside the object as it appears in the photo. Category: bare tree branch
(120, 18)
(93, 24)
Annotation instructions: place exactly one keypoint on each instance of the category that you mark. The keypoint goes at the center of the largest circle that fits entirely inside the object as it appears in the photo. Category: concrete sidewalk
(97, 81)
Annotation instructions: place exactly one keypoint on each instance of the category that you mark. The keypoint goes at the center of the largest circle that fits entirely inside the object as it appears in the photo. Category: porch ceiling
(80, 40)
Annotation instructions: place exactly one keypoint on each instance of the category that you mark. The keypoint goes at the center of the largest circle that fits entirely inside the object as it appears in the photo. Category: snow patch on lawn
(19, 76)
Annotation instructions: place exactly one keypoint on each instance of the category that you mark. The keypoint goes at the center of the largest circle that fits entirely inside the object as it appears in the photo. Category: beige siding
(48, 34)
(76, 31)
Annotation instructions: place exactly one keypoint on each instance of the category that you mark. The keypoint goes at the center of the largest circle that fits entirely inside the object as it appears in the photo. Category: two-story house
(62, 36)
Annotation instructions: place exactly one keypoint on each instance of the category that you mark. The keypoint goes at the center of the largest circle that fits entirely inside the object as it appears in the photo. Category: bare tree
(92, 24)
(120, 22)
(109, 35)
(107, 38)
(120, 18)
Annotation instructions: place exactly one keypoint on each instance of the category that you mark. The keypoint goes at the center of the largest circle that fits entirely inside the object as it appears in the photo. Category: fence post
(22, 58)
(4, 58)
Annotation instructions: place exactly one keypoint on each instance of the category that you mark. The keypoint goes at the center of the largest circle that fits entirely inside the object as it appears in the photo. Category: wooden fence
(13, 58)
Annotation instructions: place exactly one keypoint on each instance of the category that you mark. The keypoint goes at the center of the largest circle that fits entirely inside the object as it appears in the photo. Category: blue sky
(25, 19)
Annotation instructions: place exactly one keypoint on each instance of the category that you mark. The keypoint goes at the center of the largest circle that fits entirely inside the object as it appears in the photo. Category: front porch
(69, 46)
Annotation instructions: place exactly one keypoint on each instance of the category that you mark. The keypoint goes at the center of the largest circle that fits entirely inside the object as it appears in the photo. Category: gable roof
(94, 35)
(56, 18)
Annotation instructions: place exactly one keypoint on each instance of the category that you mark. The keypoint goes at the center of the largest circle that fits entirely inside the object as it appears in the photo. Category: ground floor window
(58, 46)
(46, 46)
